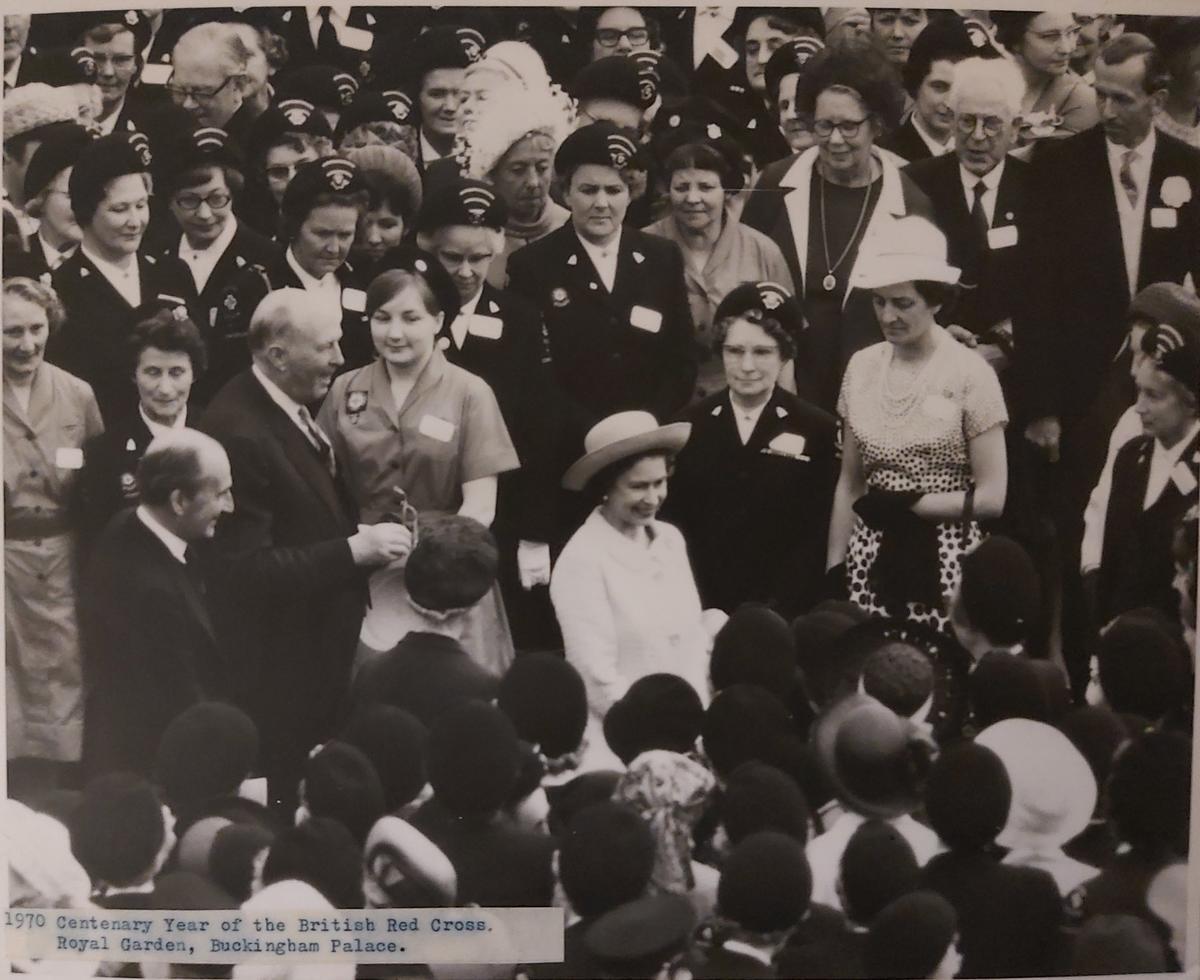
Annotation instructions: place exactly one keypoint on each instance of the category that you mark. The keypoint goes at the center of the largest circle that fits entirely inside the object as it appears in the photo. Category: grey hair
(174, 460)
(998, 77)
(223, 38)
(275, 318)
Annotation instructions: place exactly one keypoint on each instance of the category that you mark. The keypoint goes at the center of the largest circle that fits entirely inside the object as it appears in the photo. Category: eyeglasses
(848, 128)
(282, 171)
(214, 199)
(610, 37)
(967, 124)
(1071, 34)
(735, 353)
(180, 93)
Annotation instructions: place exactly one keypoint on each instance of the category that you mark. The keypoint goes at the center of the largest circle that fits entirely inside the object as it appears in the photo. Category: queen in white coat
(623, 588)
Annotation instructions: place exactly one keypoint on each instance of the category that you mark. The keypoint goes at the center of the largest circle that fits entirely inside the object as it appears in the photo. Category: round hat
(32, 106)
(606, 858)
(699, 119)
(1148, 792)
(232, 856)
(601, 143)
(1166, 302)
(329, 174)
(1002, 686)
(286, 116)
(392, 105)
(907, 249)
(1000, 590)
(190, 148)
(117, 830)
(620, 436)
(473, 758)
(1098, 733)
(462, 201)
(59, 149)
(1053, 789)
(340, 782)
(408, 868)
(443, 46)
(876, 761)
(818, 637)
(102, 161)
(768, 299)
(453, 564)
(1142, 666)
(789, 59)
(745, 722)
(968, 795)
(546, 700)
(765, 883)
(1176, 351)
(614, 77)
(67, 66)
(133, 21)
(643, 933)
(394, 740)
(755, 646)
(516, 61)
(196, 843)
(877, 867)
(323, 853)
(759, 796)
(658, 711)
(205, 752)
(910, 937)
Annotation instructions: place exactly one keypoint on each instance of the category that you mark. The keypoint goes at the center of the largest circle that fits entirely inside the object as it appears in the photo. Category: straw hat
(904, 250)
(620, 436)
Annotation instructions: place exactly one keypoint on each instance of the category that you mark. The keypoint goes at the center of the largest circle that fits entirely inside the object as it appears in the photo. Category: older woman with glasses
(1058, 103)
(834, 196)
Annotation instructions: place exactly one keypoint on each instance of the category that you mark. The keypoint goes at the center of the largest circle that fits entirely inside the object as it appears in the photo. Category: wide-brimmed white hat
(1053, 788)
(908, 249)
(620, 436)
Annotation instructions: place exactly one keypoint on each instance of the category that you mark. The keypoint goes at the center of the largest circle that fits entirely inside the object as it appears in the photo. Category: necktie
(327, 40)
(1128, 184)
(978, 214)
(319, 441)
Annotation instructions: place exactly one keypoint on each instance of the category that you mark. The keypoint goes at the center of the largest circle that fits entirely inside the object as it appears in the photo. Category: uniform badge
(131, 18)
(443, 343)
(559, 297)
(230, 302)
(356, 401)
(1175, 191)
(399, 105)
(713, 131)
(129, 487)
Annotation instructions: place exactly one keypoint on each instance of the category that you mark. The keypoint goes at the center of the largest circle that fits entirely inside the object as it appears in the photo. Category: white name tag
(1183, 478)
(69, 458)
(1003, 237)
(354, 300)
(646, 319)
(355, 37)
(1163, 217)
(254, 789)
(787, 444)
(724, 54)
(488, 327)
(937, 407)
(436, 428)
(153, 74)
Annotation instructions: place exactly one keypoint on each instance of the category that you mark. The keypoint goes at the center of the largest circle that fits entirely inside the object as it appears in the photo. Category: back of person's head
(1098, 733)
(877, 867)
(606, 858)
(1006, 686)
(394, 740)
(340, 782)
(658, 711)
(545, 699)
(1149, 793)
(766, 883)
(175, 461)
(1141, 664)
(1000, 591)
(1119, 943)
(755, 646)
(474, 758)
(204, 753)
(817, 634)
(745, 722)
(453, 564)
(758, 796)
(911, 938)
(323, 853)
(968, 796)
(118, 831)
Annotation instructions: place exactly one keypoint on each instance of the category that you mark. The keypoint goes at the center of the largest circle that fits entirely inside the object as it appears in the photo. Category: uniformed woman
(1155, 477)
(412, 422)
(322, 207)
(48, 415)
(166, 356)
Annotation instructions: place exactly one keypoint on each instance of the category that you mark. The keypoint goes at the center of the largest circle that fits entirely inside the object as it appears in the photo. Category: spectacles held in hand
(402, 513)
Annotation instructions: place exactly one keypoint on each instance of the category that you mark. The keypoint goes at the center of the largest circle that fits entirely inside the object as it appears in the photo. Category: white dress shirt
(991, 183)
(173, 542)
(326, 290)
(202, 261)
(109, 122)
(126, 281)
(54, 258)
(936, 146)
(157, 428)
(10, 76)
(338, 13)
(746, 418)
(291, 408)
(1132, 218)
(604, 259)
(462, 323)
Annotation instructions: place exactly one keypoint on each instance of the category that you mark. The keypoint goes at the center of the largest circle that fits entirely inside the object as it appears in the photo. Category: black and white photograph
(728, 473)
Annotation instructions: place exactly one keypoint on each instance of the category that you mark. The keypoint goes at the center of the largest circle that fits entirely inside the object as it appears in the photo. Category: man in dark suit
(1118, 208)
(291, 556)
(149, 646)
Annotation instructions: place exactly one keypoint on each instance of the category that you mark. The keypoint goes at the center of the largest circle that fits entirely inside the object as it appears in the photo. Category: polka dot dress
(915, 436)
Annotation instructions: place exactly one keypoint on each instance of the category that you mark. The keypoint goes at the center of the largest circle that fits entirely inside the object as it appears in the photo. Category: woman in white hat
(923, 426)
(623, 589)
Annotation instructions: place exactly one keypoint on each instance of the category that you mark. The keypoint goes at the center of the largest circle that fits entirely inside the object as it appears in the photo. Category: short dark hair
(1125, 46)
(163, 328)
(860, 65)
(770, 326)
(936, 293)
(702, 156)
(386, 286)
(167, 468)
(604, 479)
(295, 212)
(1148, 791)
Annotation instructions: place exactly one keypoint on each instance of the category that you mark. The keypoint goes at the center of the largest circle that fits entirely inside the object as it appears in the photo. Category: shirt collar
(307, 280)
(336, 11)
(744, 413)
(54, 257)
(468, 308)
(1175, 453)
(217, 246)
(173, 542)
(157, 428)
(108, 269)
(290, 406)
(991, 180)
(1145, 149)
(936, 146)
(596, 251)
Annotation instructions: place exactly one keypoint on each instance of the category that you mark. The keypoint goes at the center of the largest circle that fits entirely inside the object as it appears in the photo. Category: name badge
(355, 37)
(646, 319)
(254, 789)
(724, 54)
(788, 444)
(153, 74)
(1163, 217)
(938, 407)
(354, 300)
(1183, 478)
(488, 327)
(1003, 237)
(69, 458)
(436, 428)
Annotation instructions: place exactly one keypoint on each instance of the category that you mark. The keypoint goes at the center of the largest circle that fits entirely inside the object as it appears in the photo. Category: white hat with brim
(909, 249)
(620, 436)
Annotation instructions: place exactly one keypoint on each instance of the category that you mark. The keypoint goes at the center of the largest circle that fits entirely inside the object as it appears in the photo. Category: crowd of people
(728, 472)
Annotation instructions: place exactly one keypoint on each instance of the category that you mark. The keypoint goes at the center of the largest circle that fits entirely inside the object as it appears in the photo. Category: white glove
(533, 563)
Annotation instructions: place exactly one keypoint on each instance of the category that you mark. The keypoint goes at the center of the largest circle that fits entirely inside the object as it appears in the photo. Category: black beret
(614, 77)
(1175, 349)
(328, 175)
(770, 300)
(102, 161)
(1000, 591)
(659, 711)
(545, 698)
(205, 752)
(474, 758)
(322, 85)
(699, 119)
(601, 143)
(393, 106)
(287, 116)
(766, 883)
(117, 828)
(67, 66)
(417, 261)
(789, 59)
(641, 935)
(59, 149)
(190, 148)
(462, 201)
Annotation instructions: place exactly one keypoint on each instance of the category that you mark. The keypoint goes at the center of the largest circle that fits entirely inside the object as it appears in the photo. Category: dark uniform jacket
(149, 646)
(91, 344)
(227, 350)
(631, 349)
(292, 598)
(906, 142)
(755, 516)
(1137, 564)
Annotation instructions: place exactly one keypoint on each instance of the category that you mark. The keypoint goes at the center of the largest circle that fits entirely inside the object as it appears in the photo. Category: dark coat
(228, 353)
(291, 595)
(91, 344)
(906, 142)
(498, 865)
(150, 649)
(603, 363)
(1137, 563)
(292, 25)
(756, 520)
(823, 945)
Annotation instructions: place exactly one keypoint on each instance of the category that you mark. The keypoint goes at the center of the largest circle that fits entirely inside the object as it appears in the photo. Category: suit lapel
(770, 423)
(179, 573)
(1096, 185)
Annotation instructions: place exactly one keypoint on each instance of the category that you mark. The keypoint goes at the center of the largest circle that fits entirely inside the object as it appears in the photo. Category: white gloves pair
(533, 563)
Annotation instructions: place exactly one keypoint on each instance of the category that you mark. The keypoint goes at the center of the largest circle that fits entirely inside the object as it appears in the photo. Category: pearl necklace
(895, 404)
